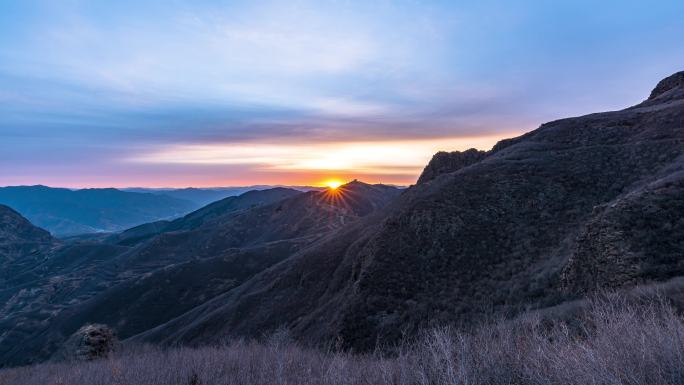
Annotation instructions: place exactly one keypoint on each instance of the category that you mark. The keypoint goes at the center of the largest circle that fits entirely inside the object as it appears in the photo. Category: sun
(332, 184)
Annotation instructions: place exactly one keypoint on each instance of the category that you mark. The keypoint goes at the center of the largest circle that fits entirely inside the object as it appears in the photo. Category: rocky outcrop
(90, 342)
(669, 83)
(637, 238)
(447, 162)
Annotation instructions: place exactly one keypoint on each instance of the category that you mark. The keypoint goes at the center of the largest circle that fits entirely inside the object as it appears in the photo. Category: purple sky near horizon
(217, 93)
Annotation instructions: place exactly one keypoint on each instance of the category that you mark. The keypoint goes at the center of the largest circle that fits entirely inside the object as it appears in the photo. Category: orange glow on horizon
(332, 184)
(395, 161)
(255, 163)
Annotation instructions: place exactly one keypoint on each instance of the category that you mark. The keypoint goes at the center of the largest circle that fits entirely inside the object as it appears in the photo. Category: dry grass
(619, 342)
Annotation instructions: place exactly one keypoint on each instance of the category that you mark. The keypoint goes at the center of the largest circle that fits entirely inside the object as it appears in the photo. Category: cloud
(374, 157)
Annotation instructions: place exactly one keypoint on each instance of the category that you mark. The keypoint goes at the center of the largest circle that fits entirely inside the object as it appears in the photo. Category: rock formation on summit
(445, 162)
(672, 82)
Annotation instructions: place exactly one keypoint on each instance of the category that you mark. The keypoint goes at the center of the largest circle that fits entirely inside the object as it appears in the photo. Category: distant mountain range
(65, 212)
(204, 196)
(144, 276)
(539, 221)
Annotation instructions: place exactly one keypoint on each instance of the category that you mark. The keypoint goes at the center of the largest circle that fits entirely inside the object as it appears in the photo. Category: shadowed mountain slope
(229, 205)
(196, 219)
(205, 196)
(516, 230)
(138, 286)
(233, 249)
(21, 243)
(301, 218)
(16, 230)
(636, 238)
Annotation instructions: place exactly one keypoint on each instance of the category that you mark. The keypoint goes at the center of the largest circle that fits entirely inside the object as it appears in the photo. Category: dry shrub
(618, 342)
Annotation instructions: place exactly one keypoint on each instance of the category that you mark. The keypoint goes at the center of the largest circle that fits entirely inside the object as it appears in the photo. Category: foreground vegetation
(619, 342)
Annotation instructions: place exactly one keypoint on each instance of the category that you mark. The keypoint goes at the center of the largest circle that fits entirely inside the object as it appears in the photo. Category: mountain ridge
(66, 212)
(206, 195)
(502, 234)
(138, 284)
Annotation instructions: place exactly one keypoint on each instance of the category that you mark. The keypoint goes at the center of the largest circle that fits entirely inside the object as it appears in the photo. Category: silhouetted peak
(354, 184)
(358, 186)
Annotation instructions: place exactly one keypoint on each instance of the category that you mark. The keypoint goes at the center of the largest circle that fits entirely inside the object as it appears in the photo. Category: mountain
(247, 200)
(16, 230)
(537, 222)
(66, 212)
(200, 196)
(576, 205)
(234, 247)
(204, 196)
(136, 284)
(21, 243)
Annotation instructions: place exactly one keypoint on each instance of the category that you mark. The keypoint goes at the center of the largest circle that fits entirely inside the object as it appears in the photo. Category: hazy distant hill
(204, 196)
(66, 212)
(194, 220)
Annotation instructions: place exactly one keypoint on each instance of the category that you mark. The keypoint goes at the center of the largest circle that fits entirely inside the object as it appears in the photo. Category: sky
(230, 93)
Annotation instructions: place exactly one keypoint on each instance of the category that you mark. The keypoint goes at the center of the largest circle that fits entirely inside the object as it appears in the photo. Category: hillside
(233, 248)
(575, 205)
(200, 196)
(629, 343)
(135, 286)
(205, 196)
(196, 219)
(16, 230)
(21, 243)
(66, 212)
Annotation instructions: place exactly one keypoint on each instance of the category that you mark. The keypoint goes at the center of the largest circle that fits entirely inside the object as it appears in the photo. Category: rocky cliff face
(637, 238)
(672, 83)
(447, 162)
(579, 203)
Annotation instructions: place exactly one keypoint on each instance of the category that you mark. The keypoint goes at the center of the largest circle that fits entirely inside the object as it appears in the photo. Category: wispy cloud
(369, 157)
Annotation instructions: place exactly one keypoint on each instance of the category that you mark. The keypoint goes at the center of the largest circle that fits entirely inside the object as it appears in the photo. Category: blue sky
(206, 93)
